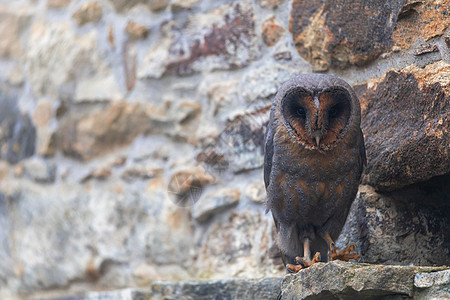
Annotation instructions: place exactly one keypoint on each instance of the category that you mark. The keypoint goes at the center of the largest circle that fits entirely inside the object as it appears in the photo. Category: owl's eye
(301, 113)
(334, 111)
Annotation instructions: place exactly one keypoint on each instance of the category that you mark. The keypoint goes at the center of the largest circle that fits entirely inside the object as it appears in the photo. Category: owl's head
(318, 109)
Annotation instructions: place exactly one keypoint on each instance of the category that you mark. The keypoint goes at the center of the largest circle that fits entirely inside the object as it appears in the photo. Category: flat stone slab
(344, 280)
(333, 280)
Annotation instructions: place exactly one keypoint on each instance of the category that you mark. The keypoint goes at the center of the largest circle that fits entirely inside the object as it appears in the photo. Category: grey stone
(17, 133)
(256, 192)
(343, 280)
(39, 170)
(56, 57)
(126, 294)
(210, 205)
(229, 43)
(425, 280)
(264, 82)
(405, 227)
(265, 288)
(100, 88)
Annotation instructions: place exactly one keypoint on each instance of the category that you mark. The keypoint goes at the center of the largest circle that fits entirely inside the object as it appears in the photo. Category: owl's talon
(303, 263)
(300, 261)
(317, 257)
(293, 268)
(343, 255)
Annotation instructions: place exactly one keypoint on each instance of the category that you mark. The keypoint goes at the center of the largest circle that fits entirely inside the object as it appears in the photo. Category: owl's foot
(303, 263)
(343, 255)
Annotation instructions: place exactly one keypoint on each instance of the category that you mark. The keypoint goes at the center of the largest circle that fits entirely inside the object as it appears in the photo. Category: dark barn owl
(313, 160)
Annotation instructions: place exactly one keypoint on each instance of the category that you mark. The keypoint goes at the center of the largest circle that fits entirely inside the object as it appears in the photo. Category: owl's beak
(316, 137)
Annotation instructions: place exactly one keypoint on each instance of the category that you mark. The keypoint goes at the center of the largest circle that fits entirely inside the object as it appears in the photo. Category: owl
(313, 159)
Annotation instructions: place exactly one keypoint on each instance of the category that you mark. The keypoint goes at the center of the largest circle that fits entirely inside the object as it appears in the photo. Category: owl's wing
(362, 152)
(268, 154)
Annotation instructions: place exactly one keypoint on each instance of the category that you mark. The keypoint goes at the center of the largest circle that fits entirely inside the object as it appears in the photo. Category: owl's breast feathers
(309, 186)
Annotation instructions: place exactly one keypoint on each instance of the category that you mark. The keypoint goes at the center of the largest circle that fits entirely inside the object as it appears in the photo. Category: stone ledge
(343, 280)
(334, 280)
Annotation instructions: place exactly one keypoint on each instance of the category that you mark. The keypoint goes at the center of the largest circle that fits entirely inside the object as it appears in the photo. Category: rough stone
(89, 12)
(183, 4)
(271, 31)
(265, 288)
(17, 133)
(426, 280)
(240, 145)
(332, 33)
(265, 81)
(46, 133)
(39, 170)
(270, 3)
(230, 251)
(12, 24)
(142, 171)
(256, 192)
(16, 76)
(406, 126)
(222, 96)
(229, 43)
(99, 88)
(56, 58)
(100, 173)
(88, 232)
(136, 30)
(409, 226)
(186, 186)
(102, 131)
(212, 204)
(124, 5)
(156, 5)
(420, 20)
(58, 3)
(129, 65)
(343, 280)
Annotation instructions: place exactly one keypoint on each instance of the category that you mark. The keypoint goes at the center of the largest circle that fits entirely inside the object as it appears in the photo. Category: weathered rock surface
(342, 280)
(272, 31)
(420, 20)
(17, 133)
(331, 33)
(118, 125)
(395, 228)
(266, 288)
(406, 124)
(334, 280)
(57, 3)
(56, 57)
(209, 205)
(203, 48)
(136, 30)
(12, 24)
(89, 12)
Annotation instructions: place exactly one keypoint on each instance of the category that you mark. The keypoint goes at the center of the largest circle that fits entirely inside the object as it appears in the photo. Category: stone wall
(131, 134)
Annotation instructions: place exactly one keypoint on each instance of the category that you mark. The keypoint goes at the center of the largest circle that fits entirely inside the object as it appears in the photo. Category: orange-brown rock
(421, 20)
(89, 12)
(406, 123)
(136, 30)
(271, 31)
(341, 33)
(57, 3)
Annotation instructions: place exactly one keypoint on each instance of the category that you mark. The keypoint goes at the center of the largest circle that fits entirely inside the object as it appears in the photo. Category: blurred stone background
(131, 134)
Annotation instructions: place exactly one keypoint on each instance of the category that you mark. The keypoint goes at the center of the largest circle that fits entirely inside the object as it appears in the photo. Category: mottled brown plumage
(314, 157)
